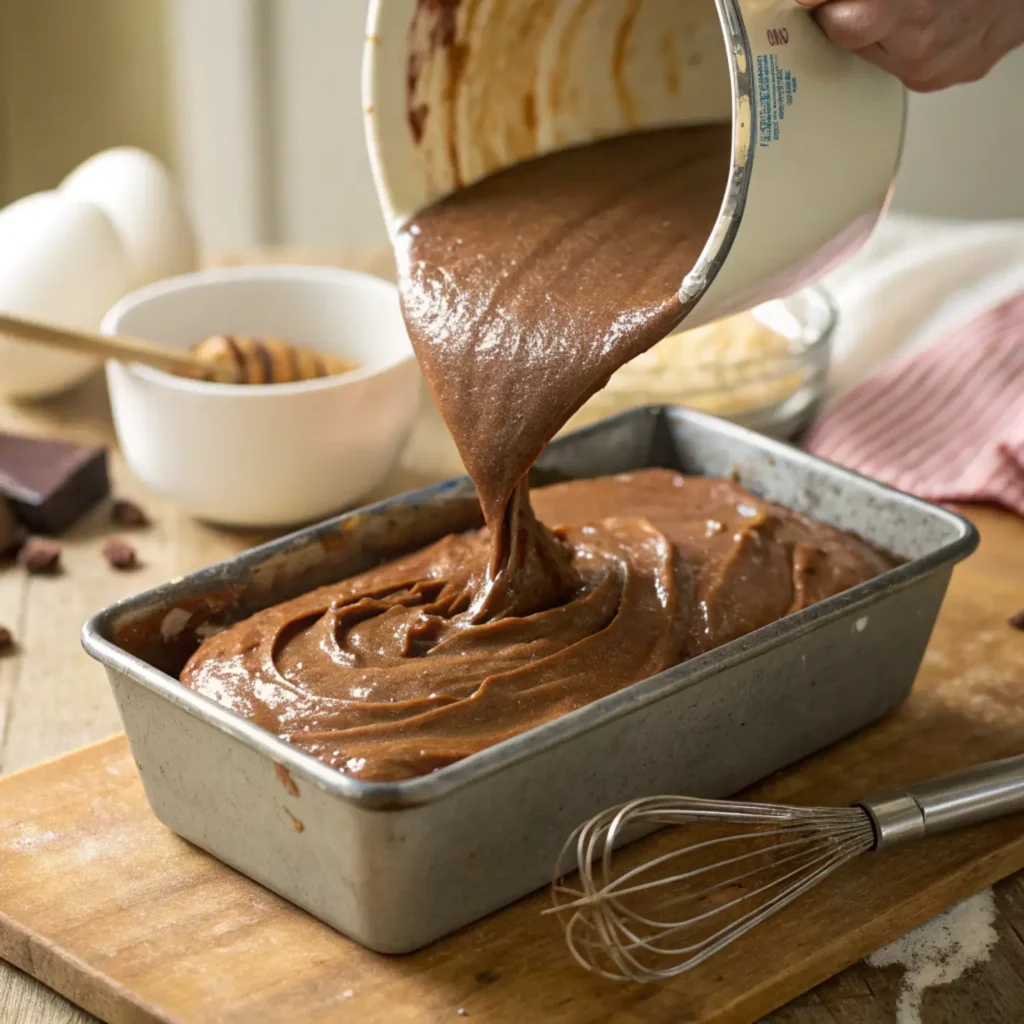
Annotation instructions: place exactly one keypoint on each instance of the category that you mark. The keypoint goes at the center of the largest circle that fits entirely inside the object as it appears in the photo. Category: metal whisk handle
(967, 797)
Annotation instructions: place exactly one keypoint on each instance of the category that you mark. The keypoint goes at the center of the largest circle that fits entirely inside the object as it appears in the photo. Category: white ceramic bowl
(267, 455)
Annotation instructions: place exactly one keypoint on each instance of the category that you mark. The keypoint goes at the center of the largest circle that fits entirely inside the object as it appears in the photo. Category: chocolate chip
(120, 554)
(1017, 621)
(11, 534)
(127, 513)
(6, 640)
(463, 1012)
(40, 557)
(12, 544)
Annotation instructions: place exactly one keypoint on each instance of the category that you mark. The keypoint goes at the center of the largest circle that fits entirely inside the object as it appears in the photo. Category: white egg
(63, 262)
(142, 200)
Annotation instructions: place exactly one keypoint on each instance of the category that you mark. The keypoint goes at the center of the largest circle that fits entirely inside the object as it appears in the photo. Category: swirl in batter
(390, 674)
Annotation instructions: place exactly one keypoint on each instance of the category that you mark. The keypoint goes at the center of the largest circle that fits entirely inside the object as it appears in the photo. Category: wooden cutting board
(101, 902)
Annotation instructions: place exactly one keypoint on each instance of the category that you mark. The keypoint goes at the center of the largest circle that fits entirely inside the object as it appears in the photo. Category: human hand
(928, 44)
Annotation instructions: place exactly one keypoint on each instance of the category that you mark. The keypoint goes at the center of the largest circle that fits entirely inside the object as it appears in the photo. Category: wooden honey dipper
(267, 360)
(225, 359)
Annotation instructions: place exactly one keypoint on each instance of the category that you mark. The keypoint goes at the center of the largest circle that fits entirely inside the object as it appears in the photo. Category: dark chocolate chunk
(127, 513)
(120, 554)
(1017, 620)
(12, 533)
(6, 640)
(40, 557)
(51, 484)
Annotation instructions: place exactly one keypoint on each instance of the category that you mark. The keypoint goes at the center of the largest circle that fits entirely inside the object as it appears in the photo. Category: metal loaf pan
(396, 866)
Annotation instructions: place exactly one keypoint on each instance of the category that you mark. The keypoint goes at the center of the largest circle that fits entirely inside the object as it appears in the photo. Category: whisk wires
(734, 865)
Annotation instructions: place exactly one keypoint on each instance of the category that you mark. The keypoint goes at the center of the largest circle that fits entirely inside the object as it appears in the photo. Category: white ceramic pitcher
(457, 89)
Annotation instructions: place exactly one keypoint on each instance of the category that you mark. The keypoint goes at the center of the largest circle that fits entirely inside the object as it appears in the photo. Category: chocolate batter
(387, 675)
(523, 294)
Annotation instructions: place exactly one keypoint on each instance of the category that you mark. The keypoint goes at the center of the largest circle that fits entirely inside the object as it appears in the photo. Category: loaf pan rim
(416, 792)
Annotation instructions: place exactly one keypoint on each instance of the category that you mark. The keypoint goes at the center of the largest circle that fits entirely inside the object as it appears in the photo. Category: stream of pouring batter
(524, 292)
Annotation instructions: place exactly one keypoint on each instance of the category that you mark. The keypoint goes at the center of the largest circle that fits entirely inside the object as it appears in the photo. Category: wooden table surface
(54, 698)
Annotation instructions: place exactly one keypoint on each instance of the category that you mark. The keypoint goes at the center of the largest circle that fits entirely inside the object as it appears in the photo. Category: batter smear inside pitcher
(523, 293)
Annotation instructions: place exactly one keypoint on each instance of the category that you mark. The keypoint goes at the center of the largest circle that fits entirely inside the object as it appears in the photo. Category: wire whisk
(737, 864)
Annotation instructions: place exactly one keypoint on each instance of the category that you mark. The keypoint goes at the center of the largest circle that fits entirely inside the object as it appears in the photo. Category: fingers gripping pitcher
(456, 90)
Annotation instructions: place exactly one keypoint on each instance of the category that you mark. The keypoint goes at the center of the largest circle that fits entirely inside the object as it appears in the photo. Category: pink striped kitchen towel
(946, 424)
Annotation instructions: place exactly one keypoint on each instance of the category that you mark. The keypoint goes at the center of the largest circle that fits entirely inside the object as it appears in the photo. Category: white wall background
(272, 138)
(270, 122)
(217, 65)
(324, 192)
(964, 154)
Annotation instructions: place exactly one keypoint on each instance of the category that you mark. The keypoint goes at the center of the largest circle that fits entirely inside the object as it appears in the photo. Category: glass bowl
(765, 369)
